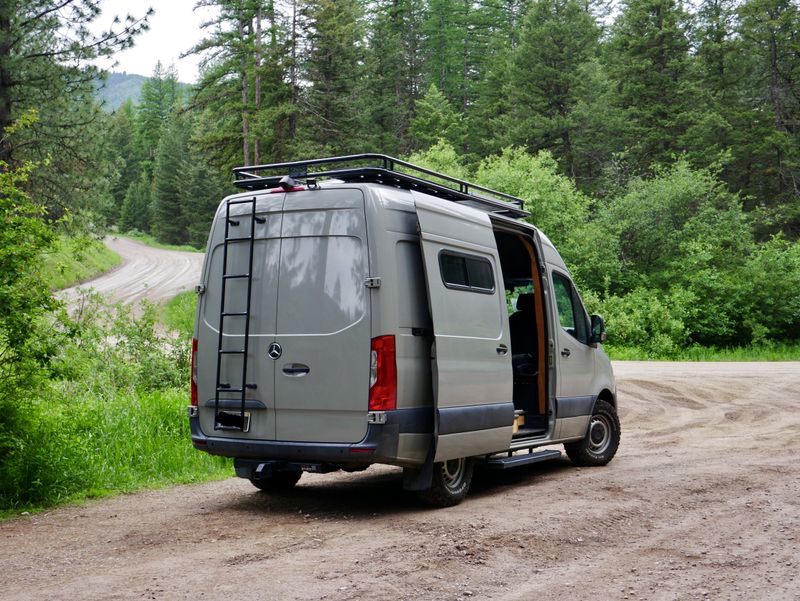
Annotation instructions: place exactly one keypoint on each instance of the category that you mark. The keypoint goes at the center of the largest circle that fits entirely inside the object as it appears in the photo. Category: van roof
(381, 169)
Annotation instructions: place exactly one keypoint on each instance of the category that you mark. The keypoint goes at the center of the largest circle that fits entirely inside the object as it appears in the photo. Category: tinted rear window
(467, 272)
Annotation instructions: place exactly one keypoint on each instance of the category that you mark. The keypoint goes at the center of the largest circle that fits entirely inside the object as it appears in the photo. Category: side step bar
(504, 463)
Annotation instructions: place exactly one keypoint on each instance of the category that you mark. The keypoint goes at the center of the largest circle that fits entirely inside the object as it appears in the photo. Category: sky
(174, 29)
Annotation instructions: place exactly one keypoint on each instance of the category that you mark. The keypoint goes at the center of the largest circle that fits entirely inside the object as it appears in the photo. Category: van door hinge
(372, 282)
(200, 289)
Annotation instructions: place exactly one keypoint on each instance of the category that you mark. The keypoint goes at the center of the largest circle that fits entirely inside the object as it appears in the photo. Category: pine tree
(135, 212)
(46, 52)
(392, 73)
(248, 58)
(169, 186)
(122, 141)
(769, 29)
(333, 117)
(557, 38)
(160, 93)
(648, 58)
(436, 120)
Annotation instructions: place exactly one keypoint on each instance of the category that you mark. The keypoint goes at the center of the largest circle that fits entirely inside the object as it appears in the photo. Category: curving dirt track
(145, 273)
(701, 502)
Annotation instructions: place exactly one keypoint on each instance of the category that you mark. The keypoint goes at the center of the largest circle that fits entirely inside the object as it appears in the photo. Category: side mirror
(598, 330)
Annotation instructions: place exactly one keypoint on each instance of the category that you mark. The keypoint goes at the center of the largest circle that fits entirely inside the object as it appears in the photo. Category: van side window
(466, 272)
(571, 314)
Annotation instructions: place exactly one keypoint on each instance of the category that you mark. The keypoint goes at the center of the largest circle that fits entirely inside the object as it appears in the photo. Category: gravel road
(145, 273)
(701, 502)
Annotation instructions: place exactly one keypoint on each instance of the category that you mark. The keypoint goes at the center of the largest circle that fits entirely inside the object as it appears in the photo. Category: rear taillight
(383, 374)
(194, 372)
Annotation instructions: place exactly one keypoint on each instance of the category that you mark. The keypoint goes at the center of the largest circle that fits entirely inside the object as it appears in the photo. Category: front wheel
(277, 481)
(600, 444)
(450, 483)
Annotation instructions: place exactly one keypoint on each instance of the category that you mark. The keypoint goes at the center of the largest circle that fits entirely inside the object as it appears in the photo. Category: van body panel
(261, 371)
(323, 327)
(471, 365)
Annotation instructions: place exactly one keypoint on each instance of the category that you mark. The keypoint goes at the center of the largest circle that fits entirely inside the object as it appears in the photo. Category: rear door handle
(296, 369)
(565, 352)
(502, 349)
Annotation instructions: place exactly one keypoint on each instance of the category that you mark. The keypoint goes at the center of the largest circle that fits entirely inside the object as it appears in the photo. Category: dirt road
(701, 502)
(145, 273)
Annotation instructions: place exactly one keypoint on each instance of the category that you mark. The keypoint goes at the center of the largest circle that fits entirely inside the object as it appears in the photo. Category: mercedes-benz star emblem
(274, 350)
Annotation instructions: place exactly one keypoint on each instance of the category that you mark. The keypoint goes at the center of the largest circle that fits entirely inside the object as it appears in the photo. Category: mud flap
(420, 478)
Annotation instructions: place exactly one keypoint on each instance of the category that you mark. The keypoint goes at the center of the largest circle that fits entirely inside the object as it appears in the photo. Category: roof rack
(382, 169)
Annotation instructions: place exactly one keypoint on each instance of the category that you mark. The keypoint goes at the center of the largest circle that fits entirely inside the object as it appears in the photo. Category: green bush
(110, 418)
(646, 320)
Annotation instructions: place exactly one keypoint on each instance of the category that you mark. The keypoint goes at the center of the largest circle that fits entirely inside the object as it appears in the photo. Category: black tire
(600, 444)
(450, 483)
(277, 481)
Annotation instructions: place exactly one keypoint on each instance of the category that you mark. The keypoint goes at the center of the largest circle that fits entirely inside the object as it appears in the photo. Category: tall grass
(179, 313)
(766, 351)
(73, 260)
(111, 418)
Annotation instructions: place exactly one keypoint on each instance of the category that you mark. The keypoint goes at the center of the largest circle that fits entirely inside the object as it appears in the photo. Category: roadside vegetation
(75, 259)
(661, 155)
(151, 241)
(109, 414)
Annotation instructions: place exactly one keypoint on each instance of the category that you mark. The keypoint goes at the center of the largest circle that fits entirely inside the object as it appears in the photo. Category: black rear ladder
(226, 420)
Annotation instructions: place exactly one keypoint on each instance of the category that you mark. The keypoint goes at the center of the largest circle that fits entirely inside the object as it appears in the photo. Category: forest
(656, 142)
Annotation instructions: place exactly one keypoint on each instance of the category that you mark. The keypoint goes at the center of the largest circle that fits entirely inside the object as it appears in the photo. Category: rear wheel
(600, 444)
(450, 483)
(277, 481)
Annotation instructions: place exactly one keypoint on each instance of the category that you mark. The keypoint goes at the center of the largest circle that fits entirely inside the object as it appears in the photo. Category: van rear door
(471, 365)
(322, 341)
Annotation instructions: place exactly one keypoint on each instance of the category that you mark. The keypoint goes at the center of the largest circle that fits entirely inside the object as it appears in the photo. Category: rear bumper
(379, 445)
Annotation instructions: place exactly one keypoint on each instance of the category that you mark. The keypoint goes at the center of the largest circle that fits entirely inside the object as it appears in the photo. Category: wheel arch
(607, 396)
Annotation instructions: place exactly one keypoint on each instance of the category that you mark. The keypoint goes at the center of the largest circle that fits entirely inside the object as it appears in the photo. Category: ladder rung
(241, 201)
(239, 239)
(234, 314)
(231, 352)
(234, 276)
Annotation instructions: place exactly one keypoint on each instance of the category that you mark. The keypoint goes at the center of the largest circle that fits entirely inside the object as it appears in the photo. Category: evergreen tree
(135, 212)
(160, 93)
(436, 120)
(648, 57)
(334, 112)
(557, 38)
(122, 142)
(770, 29)
(248, 57)
(393, 73)
(46, 51)
(169, 186)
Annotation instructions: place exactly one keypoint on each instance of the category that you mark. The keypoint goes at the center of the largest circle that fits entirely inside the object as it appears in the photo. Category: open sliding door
(472, 376)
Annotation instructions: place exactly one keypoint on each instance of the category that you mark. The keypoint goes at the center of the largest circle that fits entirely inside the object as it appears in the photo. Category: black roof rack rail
(382, 169)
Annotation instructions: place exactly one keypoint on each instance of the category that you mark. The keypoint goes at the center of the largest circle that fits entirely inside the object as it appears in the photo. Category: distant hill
(121, 87)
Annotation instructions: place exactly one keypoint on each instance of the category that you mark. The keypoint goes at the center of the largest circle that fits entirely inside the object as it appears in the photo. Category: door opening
(525, 304)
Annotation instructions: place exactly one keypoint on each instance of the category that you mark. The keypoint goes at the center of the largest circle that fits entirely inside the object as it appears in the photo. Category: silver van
(360, 309)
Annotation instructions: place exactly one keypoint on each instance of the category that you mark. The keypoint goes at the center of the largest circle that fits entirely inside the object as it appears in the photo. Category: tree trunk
(245, 118)
(257, 84)
(293, 74)
(5, 79)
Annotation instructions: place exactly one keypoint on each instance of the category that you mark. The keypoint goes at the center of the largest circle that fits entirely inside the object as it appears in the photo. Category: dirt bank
(702, 502)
